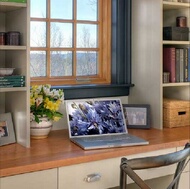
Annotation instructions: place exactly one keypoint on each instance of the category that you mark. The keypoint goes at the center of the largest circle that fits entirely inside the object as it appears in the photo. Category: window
(70, 41)
(111, 73)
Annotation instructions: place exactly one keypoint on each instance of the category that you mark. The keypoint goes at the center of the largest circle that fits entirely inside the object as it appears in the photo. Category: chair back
(127, 167)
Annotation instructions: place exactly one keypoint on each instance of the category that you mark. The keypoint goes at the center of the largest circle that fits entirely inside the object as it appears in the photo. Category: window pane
(86, 35)
(38, 8)
(87, 63)
(61, 34)
(87, 10)
(61, 9)
(61, 63)
(37, 34)
(37, 63)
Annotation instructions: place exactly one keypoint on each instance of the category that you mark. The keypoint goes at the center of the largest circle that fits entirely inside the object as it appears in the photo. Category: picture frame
(137, 116)
(7, 132)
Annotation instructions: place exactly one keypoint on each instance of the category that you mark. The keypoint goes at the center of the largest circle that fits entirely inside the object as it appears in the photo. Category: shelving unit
(15, 17)
(171, 10)
(148, 19)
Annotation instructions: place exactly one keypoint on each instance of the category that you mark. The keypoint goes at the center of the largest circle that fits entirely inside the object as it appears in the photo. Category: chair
(127, 167)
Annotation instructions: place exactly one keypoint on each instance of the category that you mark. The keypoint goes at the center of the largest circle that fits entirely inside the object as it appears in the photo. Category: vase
(40, 130)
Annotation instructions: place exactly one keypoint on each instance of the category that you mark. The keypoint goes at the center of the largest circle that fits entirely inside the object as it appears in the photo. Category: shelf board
(176, 84)
(169, 42)
(10, 6)
(174, 5)
(11, 47)
(13, 89)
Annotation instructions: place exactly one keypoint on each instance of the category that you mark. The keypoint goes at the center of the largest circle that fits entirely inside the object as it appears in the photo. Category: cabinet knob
(92, 177)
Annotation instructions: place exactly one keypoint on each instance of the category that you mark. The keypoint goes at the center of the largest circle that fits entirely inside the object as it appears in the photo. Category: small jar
(2, 38)
(12, 38)
(181, 21)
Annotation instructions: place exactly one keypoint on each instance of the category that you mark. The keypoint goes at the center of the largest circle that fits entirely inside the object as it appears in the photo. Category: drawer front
(70, 177)
(154, 172)
(187, 168)
(184, 181)
(37, 180)
(74, 176)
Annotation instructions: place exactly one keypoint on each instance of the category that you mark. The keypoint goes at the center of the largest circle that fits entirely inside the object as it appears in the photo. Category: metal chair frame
(127, 167)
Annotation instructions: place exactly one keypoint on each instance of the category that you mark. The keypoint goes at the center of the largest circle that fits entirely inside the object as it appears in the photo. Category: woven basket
(176, 113)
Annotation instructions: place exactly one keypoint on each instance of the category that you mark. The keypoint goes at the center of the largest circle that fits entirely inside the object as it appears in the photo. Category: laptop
(99, 123)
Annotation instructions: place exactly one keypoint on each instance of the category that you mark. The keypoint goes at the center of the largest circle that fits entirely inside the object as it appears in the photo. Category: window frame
(120, 59)
(104, 48)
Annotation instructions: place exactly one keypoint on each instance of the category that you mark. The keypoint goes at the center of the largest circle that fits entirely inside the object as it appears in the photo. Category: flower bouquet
(45, 102)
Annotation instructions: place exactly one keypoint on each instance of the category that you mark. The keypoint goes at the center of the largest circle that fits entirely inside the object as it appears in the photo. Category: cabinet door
(37, 180)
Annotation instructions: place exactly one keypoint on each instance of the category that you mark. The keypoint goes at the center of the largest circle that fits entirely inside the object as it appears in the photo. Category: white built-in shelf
(174, 5)
(11, 47)
(176, 84)
(169, 42)
(9, 6)
(13, 89)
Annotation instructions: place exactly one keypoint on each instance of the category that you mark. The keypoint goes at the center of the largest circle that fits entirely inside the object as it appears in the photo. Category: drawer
(187, 168)
(184, 180)
(146, 174)
(70, 177)
(36, 180)
(74, 176)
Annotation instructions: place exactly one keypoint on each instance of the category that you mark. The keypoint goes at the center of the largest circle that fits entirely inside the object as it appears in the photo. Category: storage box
(176, 33)
(176, 113)
(14, 1)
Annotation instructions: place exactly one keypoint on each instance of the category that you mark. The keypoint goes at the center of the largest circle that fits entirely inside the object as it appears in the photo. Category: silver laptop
(99, 123)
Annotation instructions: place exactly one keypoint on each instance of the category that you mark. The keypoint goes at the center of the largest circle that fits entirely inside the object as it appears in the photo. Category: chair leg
(123, 177)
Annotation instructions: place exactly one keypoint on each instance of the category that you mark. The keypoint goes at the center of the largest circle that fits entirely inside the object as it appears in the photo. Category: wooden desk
(57, 151)
(57, 163)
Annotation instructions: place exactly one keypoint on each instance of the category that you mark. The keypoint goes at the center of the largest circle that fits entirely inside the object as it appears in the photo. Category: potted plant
(44, 109)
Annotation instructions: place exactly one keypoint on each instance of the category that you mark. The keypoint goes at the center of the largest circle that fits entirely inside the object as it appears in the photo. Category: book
(12, 83)
(12, 77)
(185, 64)
(188, 66)
(181, 63)
(169, 61)
(14, 1)
(177, 65)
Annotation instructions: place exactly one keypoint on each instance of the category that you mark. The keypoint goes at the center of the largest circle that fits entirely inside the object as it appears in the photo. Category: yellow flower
(32, 101)
(56, 118)
(46, 101)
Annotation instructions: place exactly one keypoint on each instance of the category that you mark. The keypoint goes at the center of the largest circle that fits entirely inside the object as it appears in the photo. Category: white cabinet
(16, 17)
(70, 177)
(37, 180)
(148, 19)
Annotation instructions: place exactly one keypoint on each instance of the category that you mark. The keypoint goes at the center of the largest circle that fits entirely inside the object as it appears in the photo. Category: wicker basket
(176, 113)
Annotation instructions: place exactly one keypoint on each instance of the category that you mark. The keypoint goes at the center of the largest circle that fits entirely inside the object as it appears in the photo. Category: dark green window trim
(121, 59)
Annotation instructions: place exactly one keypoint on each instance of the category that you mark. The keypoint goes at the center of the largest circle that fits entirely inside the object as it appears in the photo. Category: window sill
(94, 91)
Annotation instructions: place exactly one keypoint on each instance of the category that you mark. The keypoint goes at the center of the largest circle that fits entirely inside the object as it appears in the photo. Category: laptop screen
(95, 117)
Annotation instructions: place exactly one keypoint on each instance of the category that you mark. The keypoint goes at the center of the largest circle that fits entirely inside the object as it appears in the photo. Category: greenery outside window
(85, 53)
(70, 42)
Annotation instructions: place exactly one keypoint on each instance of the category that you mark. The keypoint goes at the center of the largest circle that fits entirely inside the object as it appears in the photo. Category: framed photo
(7, 133)
(137, 115)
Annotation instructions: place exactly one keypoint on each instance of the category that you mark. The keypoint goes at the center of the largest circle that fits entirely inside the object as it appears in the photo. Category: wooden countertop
(57, 150)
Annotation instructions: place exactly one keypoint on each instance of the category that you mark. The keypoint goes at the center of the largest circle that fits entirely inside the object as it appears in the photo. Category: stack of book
(12, 81)
(176, 61)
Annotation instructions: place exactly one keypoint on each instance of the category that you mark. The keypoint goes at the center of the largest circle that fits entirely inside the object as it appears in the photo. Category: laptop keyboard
(106, 138)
